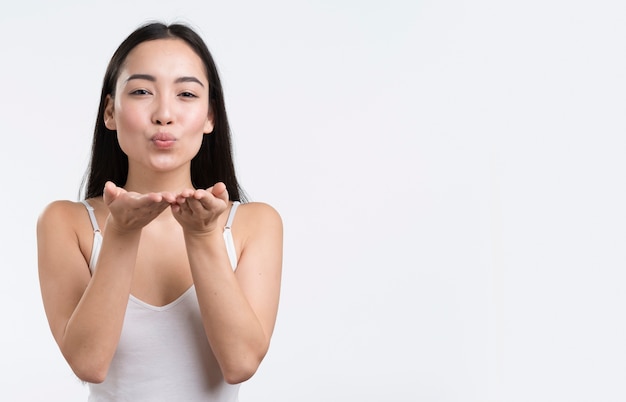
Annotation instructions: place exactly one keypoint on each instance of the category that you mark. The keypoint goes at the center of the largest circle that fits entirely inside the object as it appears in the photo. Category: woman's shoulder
(258, 216)
(61, 212)
(60, 208)
(259, 211)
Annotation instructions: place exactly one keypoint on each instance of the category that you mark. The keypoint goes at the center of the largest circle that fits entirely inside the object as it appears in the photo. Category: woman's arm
(239, 307)
(86, 313)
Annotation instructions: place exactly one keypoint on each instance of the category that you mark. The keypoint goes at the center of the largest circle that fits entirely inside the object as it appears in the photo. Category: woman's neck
(148, 182)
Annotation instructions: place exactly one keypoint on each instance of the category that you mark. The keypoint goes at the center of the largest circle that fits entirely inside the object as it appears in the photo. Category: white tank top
(163, 353)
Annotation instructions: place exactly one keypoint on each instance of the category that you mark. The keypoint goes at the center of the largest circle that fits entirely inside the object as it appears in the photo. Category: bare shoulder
(258, 215)
(65, 219)
(258, 223)
(60, 212)
(64, 241)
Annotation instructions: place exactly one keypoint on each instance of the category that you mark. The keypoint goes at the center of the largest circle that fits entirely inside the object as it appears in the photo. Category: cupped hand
(132, 211)
(197, 211)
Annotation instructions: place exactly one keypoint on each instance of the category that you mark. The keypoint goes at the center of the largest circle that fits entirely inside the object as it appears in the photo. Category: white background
(451, 176)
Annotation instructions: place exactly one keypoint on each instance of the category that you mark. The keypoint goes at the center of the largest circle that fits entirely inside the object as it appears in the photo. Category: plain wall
(450, 175)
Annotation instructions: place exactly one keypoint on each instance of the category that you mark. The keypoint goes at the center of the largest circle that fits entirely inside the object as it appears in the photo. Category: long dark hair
(214, 161)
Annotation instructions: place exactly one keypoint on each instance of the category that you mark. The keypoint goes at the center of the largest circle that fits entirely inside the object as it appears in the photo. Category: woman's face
(161, 107)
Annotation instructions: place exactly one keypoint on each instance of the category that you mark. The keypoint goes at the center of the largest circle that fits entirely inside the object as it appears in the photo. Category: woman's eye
(140, 92)
(188, 95)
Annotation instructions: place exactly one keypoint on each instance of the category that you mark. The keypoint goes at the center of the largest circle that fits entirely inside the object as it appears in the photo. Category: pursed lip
(163, 140)
(163, 137)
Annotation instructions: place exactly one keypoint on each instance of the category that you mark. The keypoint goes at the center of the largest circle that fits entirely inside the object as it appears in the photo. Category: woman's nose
(162, 115)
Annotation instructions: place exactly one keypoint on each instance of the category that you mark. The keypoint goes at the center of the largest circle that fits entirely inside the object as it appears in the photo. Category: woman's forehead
(167, 57)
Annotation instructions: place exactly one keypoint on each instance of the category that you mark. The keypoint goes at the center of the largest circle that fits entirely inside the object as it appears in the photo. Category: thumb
(219, 191)
(110, 192)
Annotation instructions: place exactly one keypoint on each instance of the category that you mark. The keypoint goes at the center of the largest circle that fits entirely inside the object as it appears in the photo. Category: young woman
(162, 285)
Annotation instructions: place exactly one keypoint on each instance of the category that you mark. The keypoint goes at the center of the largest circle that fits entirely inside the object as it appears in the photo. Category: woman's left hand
(197, 211)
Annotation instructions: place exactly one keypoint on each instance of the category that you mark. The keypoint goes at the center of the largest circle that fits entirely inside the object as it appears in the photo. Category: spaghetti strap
(92, 216)
(97, 237)
(231, 215)
(228, 236)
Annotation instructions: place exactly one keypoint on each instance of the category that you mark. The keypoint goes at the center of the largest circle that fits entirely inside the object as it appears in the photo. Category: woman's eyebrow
(189, 79)
(146, 77)
(152, 78)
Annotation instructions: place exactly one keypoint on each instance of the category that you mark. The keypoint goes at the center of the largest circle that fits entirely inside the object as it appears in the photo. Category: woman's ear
(109, 113)
(209, 124)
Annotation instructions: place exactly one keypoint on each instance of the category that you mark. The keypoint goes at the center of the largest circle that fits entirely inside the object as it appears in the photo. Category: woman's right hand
(130, 211)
